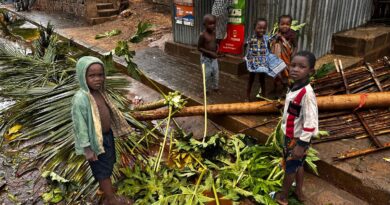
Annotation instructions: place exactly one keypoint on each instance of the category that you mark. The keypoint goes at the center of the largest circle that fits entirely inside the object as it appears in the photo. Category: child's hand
(219, 54)
(298, 152)
(89, 154)
(279, 105)
(214, 55)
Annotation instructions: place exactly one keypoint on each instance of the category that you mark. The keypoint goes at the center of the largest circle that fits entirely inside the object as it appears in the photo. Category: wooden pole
(325, 103)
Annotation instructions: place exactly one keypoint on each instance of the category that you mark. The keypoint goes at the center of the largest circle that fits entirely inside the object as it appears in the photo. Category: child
(207, 45)
(299, 123)
(96, 121)
(285, 43)
(259, 58)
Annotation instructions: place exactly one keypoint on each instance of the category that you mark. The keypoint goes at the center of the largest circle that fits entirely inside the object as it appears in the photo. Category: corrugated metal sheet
(322, 17)
(189, 34)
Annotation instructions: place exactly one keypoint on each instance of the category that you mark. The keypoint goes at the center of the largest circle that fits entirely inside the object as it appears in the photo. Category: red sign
(235, 39)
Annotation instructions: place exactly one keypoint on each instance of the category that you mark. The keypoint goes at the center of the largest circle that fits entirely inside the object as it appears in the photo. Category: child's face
(284, 25)
(300, 69)
(95, 76)
(209, 24)
(261, 28)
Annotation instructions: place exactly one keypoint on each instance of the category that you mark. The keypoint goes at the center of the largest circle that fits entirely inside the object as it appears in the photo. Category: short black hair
(258, 20)
(310, 57)
(207, 16)
(285, 16)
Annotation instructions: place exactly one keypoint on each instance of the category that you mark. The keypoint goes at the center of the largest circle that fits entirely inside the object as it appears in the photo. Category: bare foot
(280, 200)
(118, 200)
(300, 196)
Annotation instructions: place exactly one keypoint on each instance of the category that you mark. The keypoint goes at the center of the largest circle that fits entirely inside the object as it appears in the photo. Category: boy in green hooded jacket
(96, 121)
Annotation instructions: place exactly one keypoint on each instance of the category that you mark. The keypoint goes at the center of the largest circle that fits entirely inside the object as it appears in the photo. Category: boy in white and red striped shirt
(299, 123)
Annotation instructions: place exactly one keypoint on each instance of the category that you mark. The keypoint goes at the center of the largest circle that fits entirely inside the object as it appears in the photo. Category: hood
(81, 70)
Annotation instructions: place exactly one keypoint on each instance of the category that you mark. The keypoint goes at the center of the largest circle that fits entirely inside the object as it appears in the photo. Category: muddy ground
(158, 15)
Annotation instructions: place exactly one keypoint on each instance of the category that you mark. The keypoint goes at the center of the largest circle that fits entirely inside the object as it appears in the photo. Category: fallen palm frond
(42, 88)
(108, 34)
(143, 31)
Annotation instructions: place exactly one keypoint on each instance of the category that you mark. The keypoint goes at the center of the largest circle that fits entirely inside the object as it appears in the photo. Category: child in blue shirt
(259, 58)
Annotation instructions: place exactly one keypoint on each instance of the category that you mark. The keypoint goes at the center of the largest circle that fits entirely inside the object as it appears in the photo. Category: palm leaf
(108, 34)
(143, 31)
(43, 88)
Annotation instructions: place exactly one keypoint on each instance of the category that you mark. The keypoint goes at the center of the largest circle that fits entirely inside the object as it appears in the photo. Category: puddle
(18, 27)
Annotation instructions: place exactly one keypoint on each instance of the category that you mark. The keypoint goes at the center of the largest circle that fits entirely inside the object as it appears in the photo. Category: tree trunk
(325, 103)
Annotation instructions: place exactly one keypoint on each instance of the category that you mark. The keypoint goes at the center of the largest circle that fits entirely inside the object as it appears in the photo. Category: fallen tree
(325, 103)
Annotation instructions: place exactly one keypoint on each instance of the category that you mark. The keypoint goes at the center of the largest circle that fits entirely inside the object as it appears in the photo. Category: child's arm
(310, 124)
(202, 49)
(81, 130)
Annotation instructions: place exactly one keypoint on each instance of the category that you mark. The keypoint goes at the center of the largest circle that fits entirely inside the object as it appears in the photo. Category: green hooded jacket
(85, 113)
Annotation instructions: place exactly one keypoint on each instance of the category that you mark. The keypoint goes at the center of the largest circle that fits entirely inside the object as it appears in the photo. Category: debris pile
(357, 124)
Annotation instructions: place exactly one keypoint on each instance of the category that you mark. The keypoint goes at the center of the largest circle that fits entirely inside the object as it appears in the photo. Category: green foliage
(145, 185)
(59, 186)
(45, 34)
(295, 26)
(143, 31)
(108, 34)
(122, 50)
(324, 70)
(235, 169)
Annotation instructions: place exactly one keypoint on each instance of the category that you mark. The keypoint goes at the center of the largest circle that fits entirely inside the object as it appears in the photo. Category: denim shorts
(292, 164)
(102, 168)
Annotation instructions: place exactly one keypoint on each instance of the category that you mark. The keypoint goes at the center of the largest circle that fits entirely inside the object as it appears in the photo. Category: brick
(388, 39)
(380, 40)
(346, 41)
(378, 53)
(345, 50)
(368, 46)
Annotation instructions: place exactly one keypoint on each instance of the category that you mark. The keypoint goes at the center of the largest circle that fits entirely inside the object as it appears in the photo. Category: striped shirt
(300, 116)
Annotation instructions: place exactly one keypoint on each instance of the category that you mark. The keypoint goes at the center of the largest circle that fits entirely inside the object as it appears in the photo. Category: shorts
(102, 168)
(292, 165)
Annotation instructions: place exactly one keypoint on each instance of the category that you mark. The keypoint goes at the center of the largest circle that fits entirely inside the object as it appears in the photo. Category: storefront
(322, 18)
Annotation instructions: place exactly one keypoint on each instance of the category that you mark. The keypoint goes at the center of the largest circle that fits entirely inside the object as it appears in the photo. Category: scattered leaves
(108, 34)
(143, 31)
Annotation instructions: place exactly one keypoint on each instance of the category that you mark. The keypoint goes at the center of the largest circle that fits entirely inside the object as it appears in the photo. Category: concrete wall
(76, 7)
(164, 2)
(82, 8)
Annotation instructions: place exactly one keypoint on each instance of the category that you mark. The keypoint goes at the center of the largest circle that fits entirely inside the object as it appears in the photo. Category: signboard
(235, 39)
(237, 12)
(184, 15)
(184, 12)
(184, 2)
